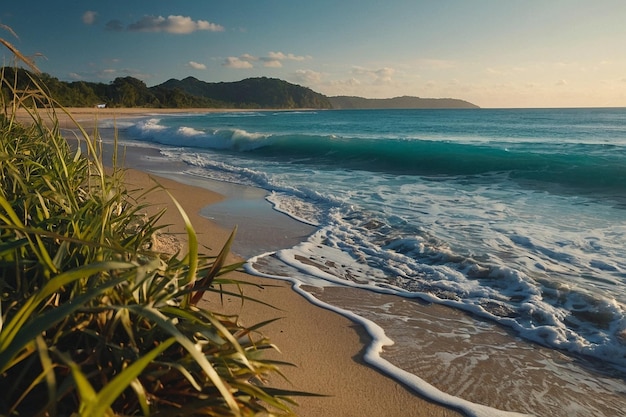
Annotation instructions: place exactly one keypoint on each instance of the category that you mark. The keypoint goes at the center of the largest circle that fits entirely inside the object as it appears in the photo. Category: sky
(493, 53)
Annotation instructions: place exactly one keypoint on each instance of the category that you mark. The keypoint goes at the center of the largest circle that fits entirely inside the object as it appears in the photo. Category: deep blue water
(515, 216)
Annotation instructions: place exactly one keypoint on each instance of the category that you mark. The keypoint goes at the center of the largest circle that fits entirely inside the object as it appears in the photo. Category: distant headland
(250, 93)
(404, 102)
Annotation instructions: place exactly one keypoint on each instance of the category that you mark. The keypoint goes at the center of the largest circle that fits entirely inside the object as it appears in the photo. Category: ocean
(487, 245)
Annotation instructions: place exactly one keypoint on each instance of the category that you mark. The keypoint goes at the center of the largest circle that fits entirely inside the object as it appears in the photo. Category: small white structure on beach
(100, 106)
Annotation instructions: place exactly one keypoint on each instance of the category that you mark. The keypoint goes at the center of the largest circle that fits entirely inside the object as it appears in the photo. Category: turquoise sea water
(516, 218)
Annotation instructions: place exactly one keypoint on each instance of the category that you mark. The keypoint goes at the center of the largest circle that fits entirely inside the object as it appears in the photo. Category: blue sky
(494, 53)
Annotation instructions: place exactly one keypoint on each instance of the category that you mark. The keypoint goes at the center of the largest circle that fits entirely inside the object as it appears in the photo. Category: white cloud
(384, 74)
(248, 57)
(274, 59)
(242, 62)
(308, 76)
(89, 17)
(561, 82)
(342, 87)
(272, 63)
(238, 63)
(173, 24)
(196, 65)
(279, 56)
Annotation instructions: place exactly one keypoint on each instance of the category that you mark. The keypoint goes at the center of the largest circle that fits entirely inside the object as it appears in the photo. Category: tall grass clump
(93, 322)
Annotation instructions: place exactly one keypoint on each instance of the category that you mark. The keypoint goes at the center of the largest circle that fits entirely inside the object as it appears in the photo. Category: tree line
(188, 93)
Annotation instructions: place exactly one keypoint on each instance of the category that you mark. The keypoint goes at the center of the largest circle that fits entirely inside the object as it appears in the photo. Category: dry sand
(325, 348)
(87, 115)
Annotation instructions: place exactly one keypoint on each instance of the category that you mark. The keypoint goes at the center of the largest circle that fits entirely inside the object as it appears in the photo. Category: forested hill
(251, 93)
(405, 102)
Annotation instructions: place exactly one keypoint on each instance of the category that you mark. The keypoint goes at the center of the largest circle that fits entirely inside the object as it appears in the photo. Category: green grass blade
(189, 315)
(25, 325)
(47, 373)
(142, 398)
(105, 398)
(9, 247)
(217, 266)
(165, 324)
(86, 392)
(192, 241)
(43, 255)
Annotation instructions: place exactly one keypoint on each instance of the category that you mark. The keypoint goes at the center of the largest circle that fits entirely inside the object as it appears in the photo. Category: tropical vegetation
(251, 93)
(93, 320)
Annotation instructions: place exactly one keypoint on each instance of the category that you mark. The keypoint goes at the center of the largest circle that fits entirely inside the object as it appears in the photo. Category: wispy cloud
(89, 17)
(384, 74)
(381, 75)
(272, 60)
(175, 24)
(196, 65)
(279, 56)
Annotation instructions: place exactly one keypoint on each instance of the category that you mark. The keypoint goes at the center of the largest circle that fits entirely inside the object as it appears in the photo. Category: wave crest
(153, 130)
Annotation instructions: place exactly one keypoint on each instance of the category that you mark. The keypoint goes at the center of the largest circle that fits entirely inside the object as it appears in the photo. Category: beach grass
(94, 321)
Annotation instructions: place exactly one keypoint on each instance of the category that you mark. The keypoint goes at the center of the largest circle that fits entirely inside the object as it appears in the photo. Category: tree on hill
(131, 92)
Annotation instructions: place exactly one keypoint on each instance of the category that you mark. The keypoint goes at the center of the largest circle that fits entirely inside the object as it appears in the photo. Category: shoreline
(326, 349)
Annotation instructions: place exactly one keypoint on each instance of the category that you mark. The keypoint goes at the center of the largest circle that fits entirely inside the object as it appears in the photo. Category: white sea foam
(189, 131)
(297, 208)
(155, 131)
(373, 351)
(514, 260)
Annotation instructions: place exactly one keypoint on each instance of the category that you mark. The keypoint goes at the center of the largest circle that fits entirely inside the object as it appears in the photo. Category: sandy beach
(325, 348)
(87, 116)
